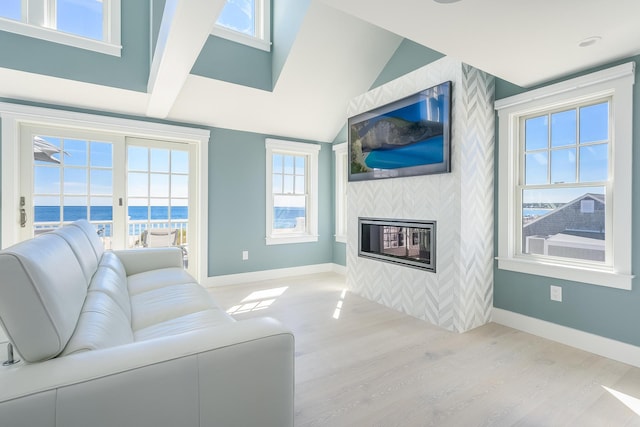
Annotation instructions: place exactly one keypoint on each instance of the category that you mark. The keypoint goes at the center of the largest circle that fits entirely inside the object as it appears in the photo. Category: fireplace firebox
(406, 242)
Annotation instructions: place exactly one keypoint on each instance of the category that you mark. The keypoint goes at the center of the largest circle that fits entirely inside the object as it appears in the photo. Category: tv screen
(408, 137)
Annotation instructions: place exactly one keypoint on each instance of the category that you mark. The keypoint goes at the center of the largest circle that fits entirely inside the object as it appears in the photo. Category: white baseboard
(279, 273)
(340, 269)
(592, 343)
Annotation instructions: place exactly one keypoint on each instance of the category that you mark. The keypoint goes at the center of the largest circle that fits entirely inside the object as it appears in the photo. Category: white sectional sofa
(128, 338)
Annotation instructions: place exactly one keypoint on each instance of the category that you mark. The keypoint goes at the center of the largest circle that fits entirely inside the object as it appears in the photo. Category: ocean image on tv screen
(406, 134)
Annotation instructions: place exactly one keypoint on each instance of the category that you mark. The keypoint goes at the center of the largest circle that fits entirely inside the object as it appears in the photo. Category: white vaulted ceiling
(341, 48)
(522, 41)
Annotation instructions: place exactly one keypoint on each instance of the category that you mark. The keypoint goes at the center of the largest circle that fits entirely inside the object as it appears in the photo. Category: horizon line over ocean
(285, 217)
(105, 213)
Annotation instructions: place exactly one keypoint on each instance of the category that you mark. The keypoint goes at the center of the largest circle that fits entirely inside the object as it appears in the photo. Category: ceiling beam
(185, 28)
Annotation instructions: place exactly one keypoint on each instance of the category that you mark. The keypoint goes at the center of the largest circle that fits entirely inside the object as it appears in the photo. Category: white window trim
(263, 20)
(616, 82)
(13, 116)
(340, 151)
(37, 26)
(274, 146)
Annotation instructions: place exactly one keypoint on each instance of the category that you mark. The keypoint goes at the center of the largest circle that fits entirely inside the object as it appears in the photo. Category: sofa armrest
(239, 373)
(140, 260)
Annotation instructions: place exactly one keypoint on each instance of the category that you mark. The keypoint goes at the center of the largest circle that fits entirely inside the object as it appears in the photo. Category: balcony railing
(135, 229)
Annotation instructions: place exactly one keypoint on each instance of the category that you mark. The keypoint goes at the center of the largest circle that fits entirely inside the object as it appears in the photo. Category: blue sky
(11, 9)
(239, 15)
(85, 17)
(288, 181)
(567, 147)
(80, 17)
(153, 175)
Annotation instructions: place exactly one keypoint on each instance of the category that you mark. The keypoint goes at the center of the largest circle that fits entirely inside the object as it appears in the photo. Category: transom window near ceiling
(247, 22)
(87, 24)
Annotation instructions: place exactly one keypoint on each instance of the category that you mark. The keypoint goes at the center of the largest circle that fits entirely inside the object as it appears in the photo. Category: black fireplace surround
(406, 242)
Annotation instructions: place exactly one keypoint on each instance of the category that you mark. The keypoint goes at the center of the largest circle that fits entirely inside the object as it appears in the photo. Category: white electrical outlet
(556, 293)
(245, 255)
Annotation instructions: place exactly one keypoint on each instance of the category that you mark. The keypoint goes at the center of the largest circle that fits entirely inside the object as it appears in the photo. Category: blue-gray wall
(237, 169)
(599, 310)
(232, 62)
(603, 311)
(130, 71)
(237, 202)
(237, 214)
(409, 56)
(236, 63)
(287, 16)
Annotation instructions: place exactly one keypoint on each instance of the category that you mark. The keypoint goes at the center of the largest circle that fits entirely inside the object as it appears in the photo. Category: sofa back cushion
(82, 248)
(102, 324)
(92, 235)
(42, 290)
(108, 281)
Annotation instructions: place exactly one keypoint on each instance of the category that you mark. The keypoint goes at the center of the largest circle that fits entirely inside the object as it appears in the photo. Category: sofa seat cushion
(170, 302)
(190, 322)
(155, 279)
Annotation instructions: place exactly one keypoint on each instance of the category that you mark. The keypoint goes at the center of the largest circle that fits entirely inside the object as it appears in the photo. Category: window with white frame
(87, 24)
(247, 22)
(340, 151)
(292, 192)
(565, 179)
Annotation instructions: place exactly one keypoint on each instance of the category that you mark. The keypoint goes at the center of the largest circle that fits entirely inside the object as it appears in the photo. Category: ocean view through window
(73, 178)
(292, 192)
(189, 181)
(49, 214)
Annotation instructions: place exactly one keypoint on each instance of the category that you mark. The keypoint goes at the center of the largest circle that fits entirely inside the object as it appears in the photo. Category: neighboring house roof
(598, 197)
(569, 224)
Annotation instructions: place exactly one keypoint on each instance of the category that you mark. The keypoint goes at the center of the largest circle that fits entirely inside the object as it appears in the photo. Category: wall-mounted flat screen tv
(408, 137)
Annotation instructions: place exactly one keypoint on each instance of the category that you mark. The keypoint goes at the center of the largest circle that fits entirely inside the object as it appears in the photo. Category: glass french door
(136, 192)
(69, 175)
(158, 189)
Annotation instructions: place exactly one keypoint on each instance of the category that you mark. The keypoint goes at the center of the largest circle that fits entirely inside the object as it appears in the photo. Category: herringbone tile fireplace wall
(458, 296)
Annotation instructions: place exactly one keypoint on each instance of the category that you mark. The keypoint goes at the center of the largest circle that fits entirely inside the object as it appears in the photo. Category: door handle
(23, 213)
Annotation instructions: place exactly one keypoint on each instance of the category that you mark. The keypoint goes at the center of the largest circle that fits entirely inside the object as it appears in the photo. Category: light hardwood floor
(373, 366)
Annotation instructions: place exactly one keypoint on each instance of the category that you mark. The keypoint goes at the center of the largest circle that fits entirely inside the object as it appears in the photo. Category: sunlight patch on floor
(258, 300)
(336, 312)
(631, 402)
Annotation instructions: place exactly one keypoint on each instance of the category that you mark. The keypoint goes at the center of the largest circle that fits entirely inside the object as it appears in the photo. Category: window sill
(342, 238)
(244, 39)
(600, 277)
(291, 238)
(55, 36)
